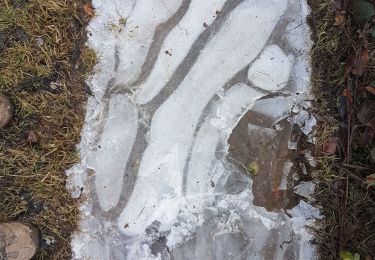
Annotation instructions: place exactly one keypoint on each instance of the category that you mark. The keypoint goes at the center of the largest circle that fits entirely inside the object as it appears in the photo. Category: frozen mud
(186, 151)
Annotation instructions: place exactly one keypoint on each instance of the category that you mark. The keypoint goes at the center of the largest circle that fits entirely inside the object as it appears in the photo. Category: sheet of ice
(297, 31)
(305, 189)
(237, 100)
(271, 70)
(224, 55)
(199, 16)
(137, 35)
(303, 215)
(224, 117)
(114, 146)
(174, 79)
(276, 108)
(286, 172)
(305, 120)
(310, 159)
(105, 49)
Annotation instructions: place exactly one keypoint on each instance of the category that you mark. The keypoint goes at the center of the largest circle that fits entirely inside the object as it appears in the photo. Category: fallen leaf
(253, 168)
(31, 137)
(345, 255)
(348, 95)
(364, 56)
(330, 146)
(339, 19)
(370, 89)
(362, 11)
(370, 180)
(89, 10)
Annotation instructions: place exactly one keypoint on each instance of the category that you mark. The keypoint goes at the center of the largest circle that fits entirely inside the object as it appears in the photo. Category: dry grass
(347, 204)
(42, 67)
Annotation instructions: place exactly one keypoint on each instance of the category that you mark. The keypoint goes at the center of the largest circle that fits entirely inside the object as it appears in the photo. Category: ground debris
(31, 137)
(6, 111)
(89, 10)
(330, 146)
(343, 71)
(38, 74)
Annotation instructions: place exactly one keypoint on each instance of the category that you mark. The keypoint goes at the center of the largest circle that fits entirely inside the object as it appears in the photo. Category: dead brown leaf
(371, 179)
(364, 56)
(31, 137)
(330, 146)
(370, 89)
(339, 19)
(347, 94)
(89, 10)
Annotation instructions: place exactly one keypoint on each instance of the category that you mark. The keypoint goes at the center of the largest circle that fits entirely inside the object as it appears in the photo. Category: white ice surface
(271, 70)
(113, 150)
(305, 189)
(164, 158)
(178, 43)
(141, 18)
(305, 120)
(231, 106)
(136, 37)
(276, 108)
(166, 191)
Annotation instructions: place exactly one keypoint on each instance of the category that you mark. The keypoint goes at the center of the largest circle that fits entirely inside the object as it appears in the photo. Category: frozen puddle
(186, 152)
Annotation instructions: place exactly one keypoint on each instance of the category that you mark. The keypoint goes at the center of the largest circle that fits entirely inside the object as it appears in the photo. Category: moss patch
(43, 63)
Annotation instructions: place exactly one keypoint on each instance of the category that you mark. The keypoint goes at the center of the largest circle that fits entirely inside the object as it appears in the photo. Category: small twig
(357, 167)
(140, 212)
(286, 242)
(367, 238)
(348, 109)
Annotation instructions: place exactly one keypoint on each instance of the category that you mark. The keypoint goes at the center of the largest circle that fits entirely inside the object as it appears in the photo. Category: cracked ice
(161, 178)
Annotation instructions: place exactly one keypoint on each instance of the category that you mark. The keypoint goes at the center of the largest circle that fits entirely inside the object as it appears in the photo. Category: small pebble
(6, 111)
